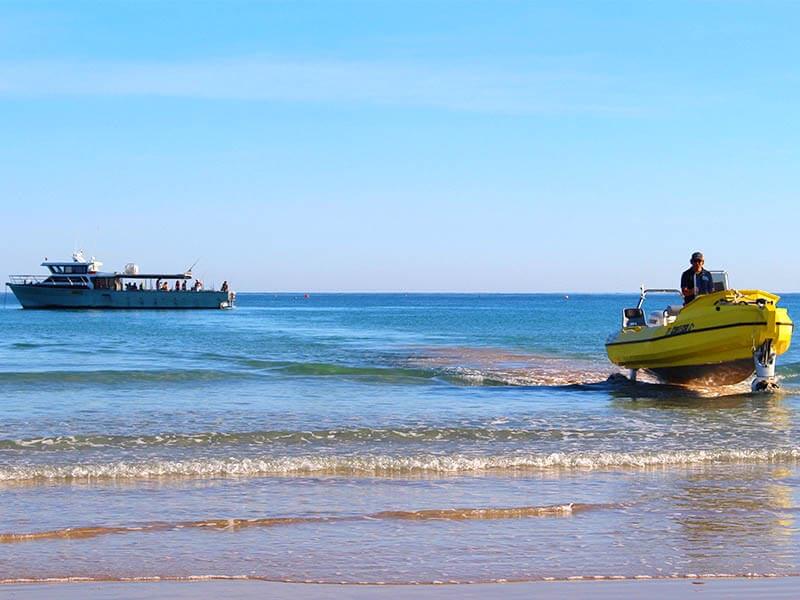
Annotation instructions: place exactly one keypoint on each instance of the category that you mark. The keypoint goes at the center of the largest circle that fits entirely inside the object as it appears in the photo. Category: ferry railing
(26, 279)
(41, 280)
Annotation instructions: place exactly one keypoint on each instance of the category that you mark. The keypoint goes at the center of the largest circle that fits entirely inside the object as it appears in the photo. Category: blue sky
(413, 146)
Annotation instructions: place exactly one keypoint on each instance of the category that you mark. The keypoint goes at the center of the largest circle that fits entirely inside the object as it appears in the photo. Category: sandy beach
(764, 588)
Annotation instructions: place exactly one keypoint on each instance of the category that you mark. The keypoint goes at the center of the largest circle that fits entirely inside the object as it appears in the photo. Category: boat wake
(491, 366)
(497, 367)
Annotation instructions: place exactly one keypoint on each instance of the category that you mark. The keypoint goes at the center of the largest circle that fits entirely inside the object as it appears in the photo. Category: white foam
(382, 465)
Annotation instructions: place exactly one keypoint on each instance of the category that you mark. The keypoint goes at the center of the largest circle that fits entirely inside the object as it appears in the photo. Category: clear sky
(412, 146)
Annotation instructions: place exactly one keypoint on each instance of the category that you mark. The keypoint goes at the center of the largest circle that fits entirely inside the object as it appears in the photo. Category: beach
(763, 588)
(386, 444)
(347, 299)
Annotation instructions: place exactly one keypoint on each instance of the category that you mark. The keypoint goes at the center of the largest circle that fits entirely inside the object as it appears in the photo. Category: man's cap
(697, 256)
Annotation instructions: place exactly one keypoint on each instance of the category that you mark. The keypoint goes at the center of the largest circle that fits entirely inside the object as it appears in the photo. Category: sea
(380, 438)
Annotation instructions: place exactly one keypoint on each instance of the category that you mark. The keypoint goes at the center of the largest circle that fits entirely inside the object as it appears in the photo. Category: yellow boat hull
(711, 342)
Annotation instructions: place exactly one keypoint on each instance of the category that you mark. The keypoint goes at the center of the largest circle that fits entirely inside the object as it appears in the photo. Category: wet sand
(779, 587)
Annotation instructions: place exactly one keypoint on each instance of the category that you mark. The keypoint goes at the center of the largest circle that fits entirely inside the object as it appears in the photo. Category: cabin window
(75, 269)
(103, 283)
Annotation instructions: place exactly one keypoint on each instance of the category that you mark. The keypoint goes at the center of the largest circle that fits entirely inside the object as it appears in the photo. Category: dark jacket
(702, 281)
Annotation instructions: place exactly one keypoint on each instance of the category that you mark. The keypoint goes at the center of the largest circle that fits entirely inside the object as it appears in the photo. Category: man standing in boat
(696, 280)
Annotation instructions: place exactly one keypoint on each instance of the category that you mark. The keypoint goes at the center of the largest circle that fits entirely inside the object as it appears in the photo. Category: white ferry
(80, 284)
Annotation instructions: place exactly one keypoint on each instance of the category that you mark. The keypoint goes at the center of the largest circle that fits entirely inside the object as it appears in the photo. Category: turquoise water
(379, 438)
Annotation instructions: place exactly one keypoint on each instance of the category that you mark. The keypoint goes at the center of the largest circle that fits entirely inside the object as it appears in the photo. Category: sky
(405, 146)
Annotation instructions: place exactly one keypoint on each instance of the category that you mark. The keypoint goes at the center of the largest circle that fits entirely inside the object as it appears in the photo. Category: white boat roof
(68, 263)
(146, 275)
(78, 259)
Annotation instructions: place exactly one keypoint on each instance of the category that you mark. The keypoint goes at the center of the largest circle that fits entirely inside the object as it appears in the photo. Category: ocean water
(379, 438)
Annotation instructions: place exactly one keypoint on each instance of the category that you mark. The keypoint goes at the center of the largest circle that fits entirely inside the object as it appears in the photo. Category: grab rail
(644, 291)
(42, 280)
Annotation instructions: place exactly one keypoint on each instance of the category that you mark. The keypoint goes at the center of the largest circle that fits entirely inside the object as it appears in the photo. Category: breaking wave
(750, 576)
(257, 368)
(286, 437)
(379, 465)
(789, 373)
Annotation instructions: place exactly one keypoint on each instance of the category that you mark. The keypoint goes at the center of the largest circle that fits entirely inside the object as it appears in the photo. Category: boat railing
(645, 291)
(27, 279)
(42, 280)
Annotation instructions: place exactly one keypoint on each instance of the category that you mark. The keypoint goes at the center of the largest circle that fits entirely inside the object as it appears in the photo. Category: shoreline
(764, 586)
(535, 580)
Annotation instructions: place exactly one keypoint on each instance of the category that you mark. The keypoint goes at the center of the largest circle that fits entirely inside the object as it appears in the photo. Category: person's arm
(687, 285)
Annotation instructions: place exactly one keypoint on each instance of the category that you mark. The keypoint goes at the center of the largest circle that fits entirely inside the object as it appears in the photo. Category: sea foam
(377, 465)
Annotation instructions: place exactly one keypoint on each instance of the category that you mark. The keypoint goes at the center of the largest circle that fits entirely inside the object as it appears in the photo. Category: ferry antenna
(189, 270)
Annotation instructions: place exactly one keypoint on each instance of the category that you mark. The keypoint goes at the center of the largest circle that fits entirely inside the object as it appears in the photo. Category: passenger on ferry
(224, 287)
(177, 285)
(183, 286)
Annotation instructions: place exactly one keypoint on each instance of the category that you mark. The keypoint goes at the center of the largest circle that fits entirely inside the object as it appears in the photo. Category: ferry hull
(36, 297)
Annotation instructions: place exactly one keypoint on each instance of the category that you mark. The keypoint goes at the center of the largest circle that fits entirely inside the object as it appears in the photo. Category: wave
(789, 372)
(25, 345)
(468, 514)
(233, 524)
(455, 365)
(327, 436)
(330, 370)
(115, 376)
(263, 579)
(266, 580)
(246, 368)
(522, 377)
(376, 465)
(496, 366)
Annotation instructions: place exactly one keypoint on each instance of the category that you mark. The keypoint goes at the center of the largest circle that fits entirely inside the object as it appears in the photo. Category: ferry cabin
(81, 284)
(86, 276)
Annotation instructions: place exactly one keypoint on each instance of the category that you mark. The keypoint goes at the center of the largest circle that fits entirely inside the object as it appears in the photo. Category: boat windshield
(720, 280)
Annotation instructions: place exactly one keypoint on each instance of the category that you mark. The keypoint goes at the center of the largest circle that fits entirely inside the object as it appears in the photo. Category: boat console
(634, 317)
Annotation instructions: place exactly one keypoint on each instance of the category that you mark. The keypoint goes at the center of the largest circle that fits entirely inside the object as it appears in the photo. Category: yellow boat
(716, 339)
